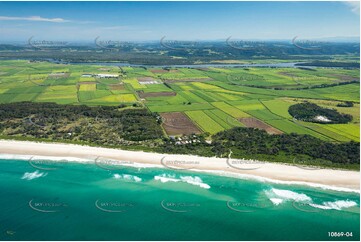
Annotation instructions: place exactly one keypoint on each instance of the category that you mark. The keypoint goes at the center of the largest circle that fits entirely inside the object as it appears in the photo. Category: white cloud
(34, 18)
(354, 6)
(120, 27)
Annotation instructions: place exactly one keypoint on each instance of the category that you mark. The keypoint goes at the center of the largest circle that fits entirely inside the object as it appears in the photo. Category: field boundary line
(298, 124)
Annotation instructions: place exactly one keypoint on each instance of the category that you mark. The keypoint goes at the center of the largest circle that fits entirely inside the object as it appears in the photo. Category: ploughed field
(190, 100)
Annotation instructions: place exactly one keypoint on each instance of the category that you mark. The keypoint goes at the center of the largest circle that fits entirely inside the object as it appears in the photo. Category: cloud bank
(34, 18)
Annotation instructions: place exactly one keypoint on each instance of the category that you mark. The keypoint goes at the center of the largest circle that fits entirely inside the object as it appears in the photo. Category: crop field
(229, 109)
(88, 87)
(225, 120)
(197, 100)
(206, 123)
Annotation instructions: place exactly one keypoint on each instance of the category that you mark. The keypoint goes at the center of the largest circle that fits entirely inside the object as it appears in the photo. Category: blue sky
(126, 21)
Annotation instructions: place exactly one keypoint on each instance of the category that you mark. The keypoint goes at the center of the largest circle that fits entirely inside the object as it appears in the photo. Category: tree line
(311, 112)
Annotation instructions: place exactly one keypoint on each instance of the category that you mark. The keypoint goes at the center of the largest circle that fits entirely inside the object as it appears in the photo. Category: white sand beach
(252, 169)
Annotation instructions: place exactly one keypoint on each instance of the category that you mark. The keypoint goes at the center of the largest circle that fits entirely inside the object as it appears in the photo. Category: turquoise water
(86, 202)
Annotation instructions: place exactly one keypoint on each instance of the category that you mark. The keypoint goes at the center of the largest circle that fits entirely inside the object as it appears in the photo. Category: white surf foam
(219, 173)
(337, 205)
(76, 160)
(141, 165)
(38, 157)
(33, 175)
(277, 196)
(166, 178)
(274, 181)
(197, 181)
(290, 195)
(127, 177)
(276, 201)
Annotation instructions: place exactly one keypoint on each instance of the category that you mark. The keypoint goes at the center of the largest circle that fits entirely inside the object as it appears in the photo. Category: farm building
(107, 76)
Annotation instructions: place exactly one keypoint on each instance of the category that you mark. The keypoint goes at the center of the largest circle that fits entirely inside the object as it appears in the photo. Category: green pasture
(214, 98)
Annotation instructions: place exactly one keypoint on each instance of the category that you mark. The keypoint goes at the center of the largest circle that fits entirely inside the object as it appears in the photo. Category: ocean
(75, 201)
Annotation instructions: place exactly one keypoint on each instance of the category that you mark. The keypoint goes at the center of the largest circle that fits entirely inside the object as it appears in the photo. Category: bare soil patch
(116, 86)
(59, 75)
(189, 80)
(159, 71)
(143, 94)
(146, 78)
(344, 77)
(178, 124)
(255, 123)
(284, 73)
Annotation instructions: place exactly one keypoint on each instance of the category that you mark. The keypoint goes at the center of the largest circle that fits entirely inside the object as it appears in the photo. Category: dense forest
(137, 128)
(98, 125)
(157, 53)
(300, 88)
(311, 112)
(254, 141)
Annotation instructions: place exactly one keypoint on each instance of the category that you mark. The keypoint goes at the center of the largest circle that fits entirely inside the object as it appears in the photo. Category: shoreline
(340, 180)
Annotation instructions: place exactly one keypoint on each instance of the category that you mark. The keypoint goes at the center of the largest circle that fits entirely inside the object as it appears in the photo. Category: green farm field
(215, 99)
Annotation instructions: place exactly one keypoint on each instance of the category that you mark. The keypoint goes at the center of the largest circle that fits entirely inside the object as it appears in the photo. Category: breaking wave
(33, 175)
(197, 181)
(337, 205)
(127, 177)
(278, 196)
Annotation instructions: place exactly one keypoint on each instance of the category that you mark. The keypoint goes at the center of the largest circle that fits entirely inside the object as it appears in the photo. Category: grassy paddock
(215, 94)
